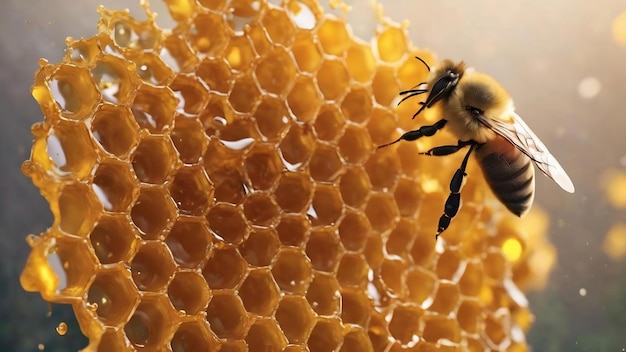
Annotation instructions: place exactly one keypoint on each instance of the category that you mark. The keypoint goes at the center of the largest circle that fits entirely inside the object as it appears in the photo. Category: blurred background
(562, 61)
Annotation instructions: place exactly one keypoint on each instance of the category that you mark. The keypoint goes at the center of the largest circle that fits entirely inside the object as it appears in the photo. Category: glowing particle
(619, 29)
(512, 249)
(589, 87)
(614, 184)
(582, 292)
(615, 241)
(62, 329)
(41, 347)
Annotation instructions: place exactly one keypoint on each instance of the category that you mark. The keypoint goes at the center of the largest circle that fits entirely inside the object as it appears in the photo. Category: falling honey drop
(61, 329)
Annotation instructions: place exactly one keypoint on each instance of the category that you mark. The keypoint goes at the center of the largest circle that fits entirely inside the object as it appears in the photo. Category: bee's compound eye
(476, 112)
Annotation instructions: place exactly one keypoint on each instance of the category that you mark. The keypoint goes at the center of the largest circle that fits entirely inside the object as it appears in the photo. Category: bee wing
(521, 136)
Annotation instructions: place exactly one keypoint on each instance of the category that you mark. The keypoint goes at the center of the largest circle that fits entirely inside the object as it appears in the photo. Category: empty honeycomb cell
(244, 95)
(450, 265)
(469, 316)
(356, 340)
(152, 212)
(292, 183)
(191, 94)
(191, 190)
(407, 196)
(355, 187)
(495, 265)
(259, 292)
(326, 335)
(78, 209)
(177, 54)
(296, 318)
(225, 269)
(73, 253)
(382, 169)
(384, 85)
(271, 117)
(152, 267)
(306, 52)
(447, 298)
(260, 247)
(334, 37)
(258, 36)
(127, 33)
(152, 160)
(188, 292)
(355, 145)
(227, 223)
(392, 274)
(117, 84)
(275, 71)
(405, 324)
(279, 27)
(292, 271)
(392, 44)
(188, 139)
(265, 335)
(296, 147)
(151, 324)
(423, 249)
(332, 79)
(325, 164)
(193, 336)
(437, 328)
(70, 150)
(293, 230)
(263, 166)
(156, 118)
(261, 210)
(323, 294)
(360, 62)
(326, 207)
(71, 90)
(382, 126)
(222, 166)
(112, 239)
(329, 123)
(226, 316)
(114, 294)
(382, 212)
(304, 99)
(114, 128)
(323, 249)
(239, 54)
(83, 52)
(355, 307)
(113, 184)
(151, 69)
(189, 241)
(216, 74)
(422, 286)
(357, 105)
(399, 240)
(353, 230)
(352, 270)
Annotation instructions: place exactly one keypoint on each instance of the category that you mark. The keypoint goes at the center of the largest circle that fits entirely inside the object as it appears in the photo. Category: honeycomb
(217, 186)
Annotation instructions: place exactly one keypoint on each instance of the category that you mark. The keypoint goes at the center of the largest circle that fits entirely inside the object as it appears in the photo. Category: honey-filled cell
(260, 247)
(224, 269)
(259, 292)
(152, 267)
(295, 317)
(114, 185)
(188, 292)
(114, 294)
(192, 336)
(151, 323)
(115, 129)
(226, 316)
(189, 241)
(112, 239)
(156, 118)
(323, 294)
(152, 212)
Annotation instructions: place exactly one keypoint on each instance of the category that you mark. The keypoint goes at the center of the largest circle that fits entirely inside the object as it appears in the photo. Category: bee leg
(426, 131)
(447, 149)
(453, 203)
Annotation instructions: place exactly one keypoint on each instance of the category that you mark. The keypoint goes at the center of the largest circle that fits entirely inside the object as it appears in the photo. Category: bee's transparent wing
(522, 137)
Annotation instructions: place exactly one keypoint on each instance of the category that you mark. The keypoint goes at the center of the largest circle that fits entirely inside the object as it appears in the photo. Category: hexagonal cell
(216, 74)
(383, 168)
(381, 211)
(292, 271)
(189, 241)
(151, 323)
(259, 292)
(227, 223)
(356, 340)
(355, 145)
(360, 62)
(225, 269)
(373, 251)
(115, 129)
(156, 118)
(334, 37)
(226, 316)
(405, 324)
(83, 52)
(352, 270)
(306, 52)
(275, 71)
(407, 196)
(353, 230)
(258, 35)
(323, 294)
(447, 298)
(279, 26)
(263, 166)
(495, 265)
(422, 286)
(260, 209)
(223, 166)
(293, 230)
(152, 212)
(439, 327)
(127, 33)
(304, 99)
(72, 253)
(260, 247)
(191, 190)
(188, 292)
(355, 187)
(69, 89)
(401, 238)
(265, 335)
(152, 267)
(188, 139)
(290, 185)
(356, 306)
(112, 239)
(357, 105)
(296, 318)
(382, 127)
(392, 44)
(391, 274)
(177, 54)
(323, 249)
(114, 294)
(326, 335)
(78, 209)
(151, 69)
(244, 95)
(239, 53)
(378, 332)
(271, 117)
(470, 315)
(296, 147)
(332, 79)
(385, 86)
(450, 265)
(69, 151)
(326, 207)
(114, 185)
(497, 327)
(193, 336)
(472, 280)
(423, 248)
(237, 133)
(153, 159)
(329, 123)
(113, 79)
(325, 164)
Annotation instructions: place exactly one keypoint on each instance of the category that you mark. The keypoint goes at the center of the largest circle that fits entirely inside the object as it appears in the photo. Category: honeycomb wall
(218, 186)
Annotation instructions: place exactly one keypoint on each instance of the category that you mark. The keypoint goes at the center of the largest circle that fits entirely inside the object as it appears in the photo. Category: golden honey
(219, 187)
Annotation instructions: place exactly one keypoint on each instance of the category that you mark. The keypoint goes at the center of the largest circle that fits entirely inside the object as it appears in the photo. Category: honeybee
(480, 113)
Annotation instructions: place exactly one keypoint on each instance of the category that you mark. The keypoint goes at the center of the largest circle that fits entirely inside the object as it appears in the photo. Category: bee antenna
(424, 62)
